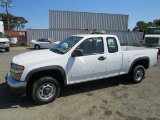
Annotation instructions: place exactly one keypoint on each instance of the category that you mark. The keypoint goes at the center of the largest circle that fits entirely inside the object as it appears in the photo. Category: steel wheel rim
(138, 75)
(46, 91)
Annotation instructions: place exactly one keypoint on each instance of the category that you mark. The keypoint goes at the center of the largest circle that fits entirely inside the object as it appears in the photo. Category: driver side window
(46, 40)
(92, 46)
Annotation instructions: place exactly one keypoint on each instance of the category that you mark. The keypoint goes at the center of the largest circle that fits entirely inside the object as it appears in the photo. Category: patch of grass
(124, 44)
(135, 44)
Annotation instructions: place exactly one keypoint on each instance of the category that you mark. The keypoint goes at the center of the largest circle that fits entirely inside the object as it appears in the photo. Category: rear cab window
(112, 44)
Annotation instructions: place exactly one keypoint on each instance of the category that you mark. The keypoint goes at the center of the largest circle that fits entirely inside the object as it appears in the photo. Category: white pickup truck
(76, 59)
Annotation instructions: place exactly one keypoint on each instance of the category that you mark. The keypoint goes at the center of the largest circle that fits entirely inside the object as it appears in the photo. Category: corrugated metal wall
(84, 20)
(127, 37)
(60, 34)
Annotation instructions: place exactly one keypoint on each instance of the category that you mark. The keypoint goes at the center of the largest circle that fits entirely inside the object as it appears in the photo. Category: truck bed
(131, 53)
(131, 48)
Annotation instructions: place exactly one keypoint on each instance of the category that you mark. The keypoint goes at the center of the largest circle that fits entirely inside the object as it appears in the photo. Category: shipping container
(85, 20)
(127, 37)
(16, 33)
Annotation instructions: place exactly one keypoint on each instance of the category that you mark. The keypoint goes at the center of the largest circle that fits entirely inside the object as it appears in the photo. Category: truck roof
(95, 35)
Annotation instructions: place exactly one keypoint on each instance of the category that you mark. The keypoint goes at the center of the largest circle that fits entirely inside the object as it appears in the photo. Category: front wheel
(37, 47)
(45, 90)
(7, 49)
(137, 74)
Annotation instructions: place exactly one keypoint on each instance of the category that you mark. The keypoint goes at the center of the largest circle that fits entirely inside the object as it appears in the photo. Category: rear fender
(139, 60)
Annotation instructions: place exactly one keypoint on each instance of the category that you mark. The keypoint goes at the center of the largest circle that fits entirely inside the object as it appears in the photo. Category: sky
(37, 11)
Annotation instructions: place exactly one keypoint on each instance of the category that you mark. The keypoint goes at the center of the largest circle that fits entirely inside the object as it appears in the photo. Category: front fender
(41, 69)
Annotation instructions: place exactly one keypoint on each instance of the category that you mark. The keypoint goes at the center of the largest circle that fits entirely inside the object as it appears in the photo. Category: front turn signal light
(20, 67)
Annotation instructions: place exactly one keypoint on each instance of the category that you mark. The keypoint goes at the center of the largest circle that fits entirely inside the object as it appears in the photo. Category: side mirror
(77, 52)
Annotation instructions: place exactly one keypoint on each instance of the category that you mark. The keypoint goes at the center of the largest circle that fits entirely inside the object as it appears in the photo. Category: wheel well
(36, 44)
(143, 62)
(54, 73)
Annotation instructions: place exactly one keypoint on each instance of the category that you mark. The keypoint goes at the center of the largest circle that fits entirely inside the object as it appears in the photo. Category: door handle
(101, 58)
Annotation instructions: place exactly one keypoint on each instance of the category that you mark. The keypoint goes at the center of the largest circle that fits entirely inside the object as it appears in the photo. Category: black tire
(45, 90)
(137, 74)
(7, 49)
(37, 47)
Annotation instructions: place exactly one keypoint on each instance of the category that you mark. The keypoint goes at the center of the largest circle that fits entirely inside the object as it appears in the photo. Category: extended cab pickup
(76, 59)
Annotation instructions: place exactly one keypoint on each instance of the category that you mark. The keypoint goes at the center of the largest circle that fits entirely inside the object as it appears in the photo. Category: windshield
(65, 45)
(2, 35)
(153, 31)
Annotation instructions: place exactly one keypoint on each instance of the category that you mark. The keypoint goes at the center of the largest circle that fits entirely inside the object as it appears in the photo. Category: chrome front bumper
(17, 87)
(4, 46)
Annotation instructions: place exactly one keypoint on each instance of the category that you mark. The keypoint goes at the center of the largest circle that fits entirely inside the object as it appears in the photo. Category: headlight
(16, 71)
(17, 67)
(7, 43)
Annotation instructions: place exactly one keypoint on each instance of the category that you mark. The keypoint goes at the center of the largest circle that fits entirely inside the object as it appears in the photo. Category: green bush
(22, 44)
(124, 44)
(135, 44)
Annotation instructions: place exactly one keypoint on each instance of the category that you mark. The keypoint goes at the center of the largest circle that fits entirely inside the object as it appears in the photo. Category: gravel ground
(113, 98)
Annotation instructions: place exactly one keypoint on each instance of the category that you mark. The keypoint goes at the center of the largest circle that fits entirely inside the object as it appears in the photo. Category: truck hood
(34, 56)
(4, 40)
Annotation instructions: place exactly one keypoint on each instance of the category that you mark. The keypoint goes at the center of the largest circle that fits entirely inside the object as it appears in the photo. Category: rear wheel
(45, 90)
(137, 74)
(37, 47)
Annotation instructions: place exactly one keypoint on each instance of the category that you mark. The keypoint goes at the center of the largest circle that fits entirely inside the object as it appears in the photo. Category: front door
(46, 43)
(92, 65)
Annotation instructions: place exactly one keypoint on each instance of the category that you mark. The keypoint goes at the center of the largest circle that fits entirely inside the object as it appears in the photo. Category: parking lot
(114, 98)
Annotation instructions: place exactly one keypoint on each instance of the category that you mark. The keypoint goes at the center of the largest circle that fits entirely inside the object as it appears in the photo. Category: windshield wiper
(56, 51)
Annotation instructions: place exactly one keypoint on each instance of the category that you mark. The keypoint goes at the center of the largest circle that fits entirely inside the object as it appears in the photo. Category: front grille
(2, 43)
(152, 41)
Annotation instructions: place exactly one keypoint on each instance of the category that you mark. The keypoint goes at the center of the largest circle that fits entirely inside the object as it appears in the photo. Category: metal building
(85, 20)
(60, 34)
(65, 23)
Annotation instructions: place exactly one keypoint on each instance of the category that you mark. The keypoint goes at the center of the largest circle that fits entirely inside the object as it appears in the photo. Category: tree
(156, 23)
(16, 22)
(19, 22)
(141, 26)
(4, 19)
(135, 29)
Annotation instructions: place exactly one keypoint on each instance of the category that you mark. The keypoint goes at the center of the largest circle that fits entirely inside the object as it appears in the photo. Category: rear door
(92, 65)
(114, 57)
